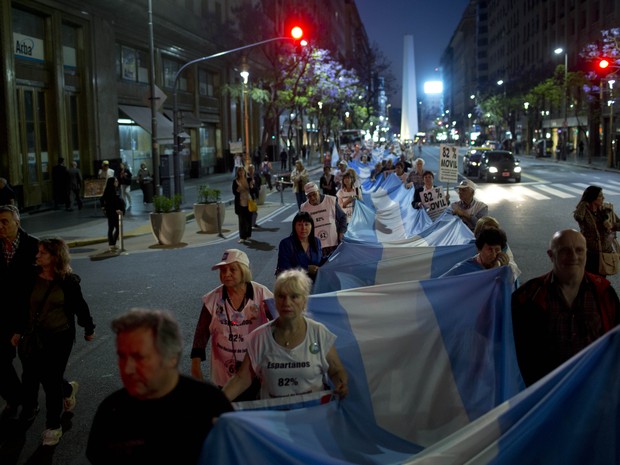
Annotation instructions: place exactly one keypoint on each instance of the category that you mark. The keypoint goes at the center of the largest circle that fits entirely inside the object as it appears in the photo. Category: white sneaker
(51, 437)
(70, 401)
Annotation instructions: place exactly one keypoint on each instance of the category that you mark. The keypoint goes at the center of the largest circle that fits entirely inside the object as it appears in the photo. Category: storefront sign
(29, 48)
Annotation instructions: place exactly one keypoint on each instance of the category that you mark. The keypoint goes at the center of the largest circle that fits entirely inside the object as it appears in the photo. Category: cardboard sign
(448, 163)
(434, 201)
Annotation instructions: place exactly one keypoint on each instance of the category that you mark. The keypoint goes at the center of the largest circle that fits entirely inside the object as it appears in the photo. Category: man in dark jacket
(18, 252)
(560, 313)
(60, 185)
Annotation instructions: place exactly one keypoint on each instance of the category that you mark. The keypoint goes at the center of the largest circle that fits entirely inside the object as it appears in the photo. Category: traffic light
(297, 33)
(603, 66)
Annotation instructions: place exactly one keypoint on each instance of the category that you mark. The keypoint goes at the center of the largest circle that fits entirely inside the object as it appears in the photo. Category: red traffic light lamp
(604, 66)
(297, 33)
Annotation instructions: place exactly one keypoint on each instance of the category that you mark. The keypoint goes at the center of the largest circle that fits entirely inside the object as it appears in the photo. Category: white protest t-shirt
(286, 372)
(434, 201)
(324, 217)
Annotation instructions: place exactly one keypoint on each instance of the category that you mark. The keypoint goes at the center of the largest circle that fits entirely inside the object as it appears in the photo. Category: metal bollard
(281, 183)
(120, 231)
(219, 220)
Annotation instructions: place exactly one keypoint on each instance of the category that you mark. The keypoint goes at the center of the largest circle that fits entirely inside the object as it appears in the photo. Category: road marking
(607, 190)
(552, 191)
(529, 193)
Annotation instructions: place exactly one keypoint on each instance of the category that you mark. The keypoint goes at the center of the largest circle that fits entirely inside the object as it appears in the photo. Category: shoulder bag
(607, 261)
(252, 206)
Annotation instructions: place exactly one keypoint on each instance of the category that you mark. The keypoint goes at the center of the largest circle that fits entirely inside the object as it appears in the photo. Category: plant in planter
(168, 221)
(208, 209)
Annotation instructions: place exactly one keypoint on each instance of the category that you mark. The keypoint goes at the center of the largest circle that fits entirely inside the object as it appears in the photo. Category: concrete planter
(206, 215)
(168, 228)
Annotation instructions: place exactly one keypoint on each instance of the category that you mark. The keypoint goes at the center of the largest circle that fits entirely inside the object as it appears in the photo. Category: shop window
(170, 69)
(69, 46)
(28, 35)
(132, 64)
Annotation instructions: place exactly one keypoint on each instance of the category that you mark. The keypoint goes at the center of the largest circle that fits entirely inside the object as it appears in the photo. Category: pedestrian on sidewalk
(105, 172)
(283, 158)
(17, 254)
(75, 183)
(113, 206)
(7, 195)
(145, 180)
(45, 340)
(60, 185)
(241, 191)
(254, 183)
(265, 170)
(124, 179)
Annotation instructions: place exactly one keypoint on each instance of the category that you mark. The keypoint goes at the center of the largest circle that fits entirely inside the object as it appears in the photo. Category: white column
(409, 119)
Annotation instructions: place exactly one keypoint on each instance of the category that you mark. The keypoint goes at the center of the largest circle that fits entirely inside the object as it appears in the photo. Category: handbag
(608, 262)
(252, 206)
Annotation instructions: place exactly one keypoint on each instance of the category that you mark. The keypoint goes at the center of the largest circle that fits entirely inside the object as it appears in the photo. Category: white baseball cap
(232, 256)
(465, 184)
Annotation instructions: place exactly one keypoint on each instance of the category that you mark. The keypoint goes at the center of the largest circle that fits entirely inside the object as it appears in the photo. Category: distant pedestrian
(241, 191)
(265, 171)
(254, 183)
(124, 180)
(17, 254)
(75, 183)
(105, 172)
(7, 195)
(145, 180)
(60, 185)
(53, 302)
(283, 158)
(113, 206)
(581, 146)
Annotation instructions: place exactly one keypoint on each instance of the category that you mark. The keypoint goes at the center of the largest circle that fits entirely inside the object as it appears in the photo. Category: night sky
(431, 22)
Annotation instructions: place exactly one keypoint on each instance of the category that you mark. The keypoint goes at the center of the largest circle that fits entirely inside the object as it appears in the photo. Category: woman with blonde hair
(241, 191)
(291, 346)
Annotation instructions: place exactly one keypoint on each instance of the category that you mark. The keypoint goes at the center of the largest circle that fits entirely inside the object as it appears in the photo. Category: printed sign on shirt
(434, 201)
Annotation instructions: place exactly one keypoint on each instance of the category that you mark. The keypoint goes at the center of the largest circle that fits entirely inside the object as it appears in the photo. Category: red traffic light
(297, 33)
(603, 64)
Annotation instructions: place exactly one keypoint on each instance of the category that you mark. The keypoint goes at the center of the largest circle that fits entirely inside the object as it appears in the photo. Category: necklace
(294, 334)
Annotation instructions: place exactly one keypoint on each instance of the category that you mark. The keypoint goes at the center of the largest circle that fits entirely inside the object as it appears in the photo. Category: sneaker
(51, 437)
(70, 401)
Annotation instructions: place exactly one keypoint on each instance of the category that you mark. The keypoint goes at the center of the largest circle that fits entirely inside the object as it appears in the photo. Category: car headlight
(474, 163)
(492, 169)
(517, 169)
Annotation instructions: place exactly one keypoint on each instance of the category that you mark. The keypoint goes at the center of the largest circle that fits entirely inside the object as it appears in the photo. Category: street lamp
(296, 35)
(245, 74)
(610, 145)
(526, 105)
(559, 51)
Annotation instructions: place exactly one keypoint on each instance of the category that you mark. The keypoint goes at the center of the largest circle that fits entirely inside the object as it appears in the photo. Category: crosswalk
(492, 194)
(496, 193)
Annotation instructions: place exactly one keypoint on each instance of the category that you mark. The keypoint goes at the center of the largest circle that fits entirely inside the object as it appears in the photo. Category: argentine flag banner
(366, 264)
(424, 359)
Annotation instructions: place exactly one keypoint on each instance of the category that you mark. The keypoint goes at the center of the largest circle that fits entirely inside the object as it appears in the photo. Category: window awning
(187, 118)
(142, 116)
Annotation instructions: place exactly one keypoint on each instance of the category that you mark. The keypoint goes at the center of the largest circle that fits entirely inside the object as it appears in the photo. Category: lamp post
(178, 178)
(610, 145)
(526, 105)
(245, 74)
(559, 51)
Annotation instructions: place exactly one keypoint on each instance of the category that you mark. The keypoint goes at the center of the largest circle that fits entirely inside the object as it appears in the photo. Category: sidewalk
(85, 230)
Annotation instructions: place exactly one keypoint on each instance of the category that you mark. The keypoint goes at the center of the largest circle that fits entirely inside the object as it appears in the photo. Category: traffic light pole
(176, 158)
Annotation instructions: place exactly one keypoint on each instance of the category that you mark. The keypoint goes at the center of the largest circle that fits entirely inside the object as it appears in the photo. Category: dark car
(471, 160)
(499, 164)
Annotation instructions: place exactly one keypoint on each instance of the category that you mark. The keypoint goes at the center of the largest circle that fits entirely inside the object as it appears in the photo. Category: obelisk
(409, 118)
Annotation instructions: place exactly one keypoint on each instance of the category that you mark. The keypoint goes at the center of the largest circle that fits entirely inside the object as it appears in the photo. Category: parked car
(499, 164)
(471, 160)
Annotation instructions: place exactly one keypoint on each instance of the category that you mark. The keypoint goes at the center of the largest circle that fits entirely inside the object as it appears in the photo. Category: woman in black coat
(112, 206)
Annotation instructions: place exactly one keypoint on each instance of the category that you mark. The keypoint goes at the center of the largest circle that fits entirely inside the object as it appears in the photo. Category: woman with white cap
(230, 312)
(468, 209)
